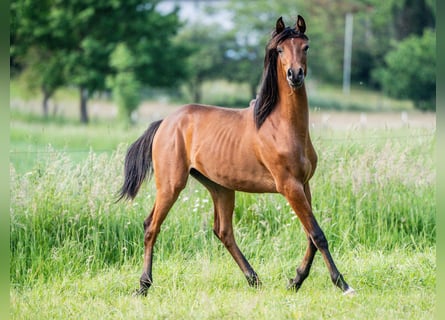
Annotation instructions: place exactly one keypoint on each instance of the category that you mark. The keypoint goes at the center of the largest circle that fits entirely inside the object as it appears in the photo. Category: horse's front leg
(305, 266)
(295, 194)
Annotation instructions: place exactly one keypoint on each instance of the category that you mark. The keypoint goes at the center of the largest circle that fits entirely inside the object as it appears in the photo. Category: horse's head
(291, 46)
(284, 63)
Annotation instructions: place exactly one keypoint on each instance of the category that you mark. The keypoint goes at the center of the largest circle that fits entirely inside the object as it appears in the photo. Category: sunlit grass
(360, 98)
(392, 285)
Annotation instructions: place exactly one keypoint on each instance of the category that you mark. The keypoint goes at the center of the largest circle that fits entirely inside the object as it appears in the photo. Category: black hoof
(293, 286)
(143, 288)
(142, 291)
(254, 281)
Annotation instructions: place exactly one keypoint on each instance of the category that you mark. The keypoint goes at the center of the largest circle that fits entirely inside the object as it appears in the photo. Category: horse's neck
(293, 105)
(293, 108)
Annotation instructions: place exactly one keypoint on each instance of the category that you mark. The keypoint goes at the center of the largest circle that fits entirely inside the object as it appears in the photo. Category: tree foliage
(206, 59)
(84, 33)
(70, 42)
(32, 49)
(376, 25)
(124, 85)
(410, 70)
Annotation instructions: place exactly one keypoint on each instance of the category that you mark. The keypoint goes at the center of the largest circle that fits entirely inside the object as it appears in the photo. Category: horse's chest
(299, 161)
(299, 165)
(308, 168)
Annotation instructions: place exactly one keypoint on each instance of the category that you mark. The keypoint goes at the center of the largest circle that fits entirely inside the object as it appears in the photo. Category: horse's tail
(138, 162)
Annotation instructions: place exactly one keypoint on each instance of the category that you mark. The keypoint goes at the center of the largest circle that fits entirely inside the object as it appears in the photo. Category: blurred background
(135, 61)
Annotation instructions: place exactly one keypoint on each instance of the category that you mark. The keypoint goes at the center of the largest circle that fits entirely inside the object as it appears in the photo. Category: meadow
(75, 253)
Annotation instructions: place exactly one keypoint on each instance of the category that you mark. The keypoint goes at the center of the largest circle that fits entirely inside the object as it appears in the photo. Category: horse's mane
(268, 95)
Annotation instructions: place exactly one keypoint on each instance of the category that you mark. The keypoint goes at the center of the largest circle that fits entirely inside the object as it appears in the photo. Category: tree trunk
(197, 96)
(194, 87)
(46, 96)
(83, 105)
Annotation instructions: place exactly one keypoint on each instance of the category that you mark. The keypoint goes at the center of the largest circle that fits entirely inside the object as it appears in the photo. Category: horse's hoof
(256, 285)
(140, 292)
(349, 292)
(254, 281)
(292, 285)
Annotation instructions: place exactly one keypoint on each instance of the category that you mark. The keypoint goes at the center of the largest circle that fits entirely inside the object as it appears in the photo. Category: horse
(264, 148)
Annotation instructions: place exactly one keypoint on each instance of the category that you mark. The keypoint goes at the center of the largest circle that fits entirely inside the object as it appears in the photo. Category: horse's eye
(279, 50)
(306, 48)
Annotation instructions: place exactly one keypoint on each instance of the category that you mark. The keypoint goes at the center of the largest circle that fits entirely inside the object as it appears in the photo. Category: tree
(376, 24)
(124, 85)
(97, 27)
(205, 52)
(412, 16)
(87, 32)
(43, 71)
(254, 21)
(32, 48)
(410, 70)
(243, 61)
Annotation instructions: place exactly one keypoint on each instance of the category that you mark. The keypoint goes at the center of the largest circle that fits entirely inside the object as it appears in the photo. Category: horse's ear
(280, 25)
(300, 25)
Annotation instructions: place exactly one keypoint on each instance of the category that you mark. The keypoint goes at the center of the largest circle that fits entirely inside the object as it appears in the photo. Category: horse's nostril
(300, 72)
(289, 73)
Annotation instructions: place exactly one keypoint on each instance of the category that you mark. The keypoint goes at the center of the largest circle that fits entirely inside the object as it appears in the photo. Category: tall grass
(375, 192)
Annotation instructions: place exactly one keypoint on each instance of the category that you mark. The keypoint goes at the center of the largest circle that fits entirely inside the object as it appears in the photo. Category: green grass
(77, 254)
(328, 97)
(34, 139)
(389, 285)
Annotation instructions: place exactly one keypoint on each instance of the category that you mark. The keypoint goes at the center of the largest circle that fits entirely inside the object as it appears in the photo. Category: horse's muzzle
(295, 78)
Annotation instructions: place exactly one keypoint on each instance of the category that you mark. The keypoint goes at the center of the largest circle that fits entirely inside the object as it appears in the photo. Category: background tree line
(123, 46)
(58, 43)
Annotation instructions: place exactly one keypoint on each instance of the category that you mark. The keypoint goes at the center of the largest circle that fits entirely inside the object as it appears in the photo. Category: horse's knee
(147, 220)
(150, 235)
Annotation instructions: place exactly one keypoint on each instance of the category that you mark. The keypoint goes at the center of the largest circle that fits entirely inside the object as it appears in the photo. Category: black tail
(138, 162)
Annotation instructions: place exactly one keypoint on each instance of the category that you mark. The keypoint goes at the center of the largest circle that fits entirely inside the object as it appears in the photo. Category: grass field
(77, 254)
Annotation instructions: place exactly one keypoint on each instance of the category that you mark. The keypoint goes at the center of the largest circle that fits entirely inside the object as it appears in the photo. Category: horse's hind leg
(224, 203)
(165, 198)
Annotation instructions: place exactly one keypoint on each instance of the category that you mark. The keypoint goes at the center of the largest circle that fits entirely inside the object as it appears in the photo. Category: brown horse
(263, 148)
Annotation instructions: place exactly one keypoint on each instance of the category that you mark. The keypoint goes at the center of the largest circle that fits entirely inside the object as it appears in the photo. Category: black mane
(268, 95)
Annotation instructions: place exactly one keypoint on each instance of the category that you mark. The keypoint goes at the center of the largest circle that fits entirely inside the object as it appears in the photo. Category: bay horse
(263, 148)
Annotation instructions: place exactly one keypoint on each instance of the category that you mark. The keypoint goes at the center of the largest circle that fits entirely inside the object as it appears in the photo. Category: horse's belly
(247, 180)
(243, 175)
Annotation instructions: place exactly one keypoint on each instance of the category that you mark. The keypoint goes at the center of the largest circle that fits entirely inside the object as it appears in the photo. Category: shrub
(410, 71)
(125, 87)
